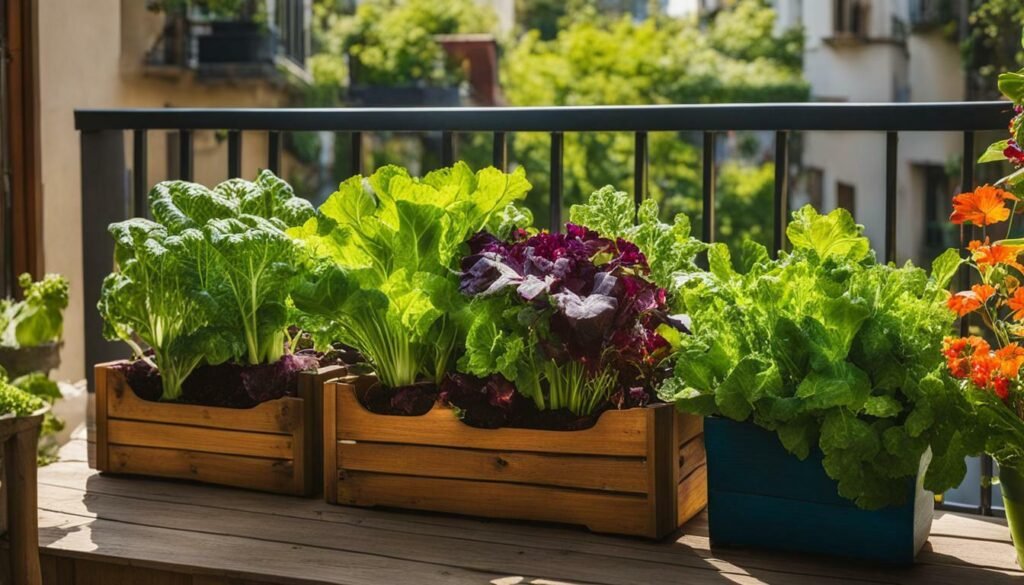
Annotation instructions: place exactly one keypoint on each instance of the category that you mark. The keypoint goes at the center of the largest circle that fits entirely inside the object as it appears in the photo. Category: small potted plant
(829, 416)
(217, 390)
(31, 329)
(546, 415)
(988, 367)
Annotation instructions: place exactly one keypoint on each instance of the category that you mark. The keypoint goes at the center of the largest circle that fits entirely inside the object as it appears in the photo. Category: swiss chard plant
(573, 318)
(832, 351)
(386, 249)
(208, 279)
(39, 317)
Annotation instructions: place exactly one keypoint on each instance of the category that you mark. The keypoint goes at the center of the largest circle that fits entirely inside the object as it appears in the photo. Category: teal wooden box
(760, 495)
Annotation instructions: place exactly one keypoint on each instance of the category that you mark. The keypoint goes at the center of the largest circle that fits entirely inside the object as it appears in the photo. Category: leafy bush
(209, 279)
(830, 350)
(14, 400)
(37, 319)
(388, 246)
(573, 318)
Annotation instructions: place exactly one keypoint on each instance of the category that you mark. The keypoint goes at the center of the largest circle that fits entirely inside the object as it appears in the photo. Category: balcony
(219, 47)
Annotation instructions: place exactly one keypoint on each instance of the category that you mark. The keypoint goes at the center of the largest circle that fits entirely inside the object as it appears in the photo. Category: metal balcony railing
(108, 197)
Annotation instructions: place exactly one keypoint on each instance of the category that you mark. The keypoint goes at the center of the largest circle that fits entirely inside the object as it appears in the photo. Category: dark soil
(232, 385)
(415, 400)
(487, 403)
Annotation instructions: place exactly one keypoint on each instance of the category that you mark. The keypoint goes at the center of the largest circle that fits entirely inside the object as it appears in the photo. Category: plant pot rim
(169, 404)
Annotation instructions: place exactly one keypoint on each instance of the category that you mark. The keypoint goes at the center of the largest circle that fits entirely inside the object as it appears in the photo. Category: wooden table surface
(115, 530)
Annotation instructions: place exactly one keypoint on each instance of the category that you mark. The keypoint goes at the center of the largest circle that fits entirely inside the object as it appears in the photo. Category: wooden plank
(617, 513)
(194, 439)
(616, 474)
(89, 572)
(662, 458)
(690, 426)
(329, 435)
(689, 551)
(235, 556)
(617, 432)
(335, 543)
(308, 453)
(20, 477)
(693, 494)
(103, 391)
(273, 475)
(282, 416)
(691, 456)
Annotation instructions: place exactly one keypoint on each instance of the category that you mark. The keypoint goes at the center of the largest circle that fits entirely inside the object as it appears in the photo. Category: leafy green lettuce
(39, 317)
(831, 350)
(387, 247)
(209, 279)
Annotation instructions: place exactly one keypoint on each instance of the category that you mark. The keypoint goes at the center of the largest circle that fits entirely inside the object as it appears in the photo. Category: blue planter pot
(760, 495)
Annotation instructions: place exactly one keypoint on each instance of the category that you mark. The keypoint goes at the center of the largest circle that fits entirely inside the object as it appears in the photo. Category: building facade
(122, 53)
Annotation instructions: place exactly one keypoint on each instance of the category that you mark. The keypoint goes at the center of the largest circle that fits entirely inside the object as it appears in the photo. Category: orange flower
(1016, 304)
(985, 206)
(963, 302)
(983, 291)
(1011, 358)
(987, 255)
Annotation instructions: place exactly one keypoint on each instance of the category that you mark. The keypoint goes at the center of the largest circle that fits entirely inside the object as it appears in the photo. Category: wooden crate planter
(760, 495)
(636, 472)
(273, 447)
(19, 527)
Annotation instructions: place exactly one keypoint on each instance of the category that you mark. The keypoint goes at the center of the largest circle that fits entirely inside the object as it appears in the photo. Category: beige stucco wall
(90, 55)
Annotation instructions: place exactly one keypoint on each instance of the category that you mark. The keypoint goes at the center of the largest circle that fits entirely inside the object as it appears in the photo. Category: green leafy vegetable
(388, 246)
(209, 280)
(37, 319)
(832, 351)
(14, 400)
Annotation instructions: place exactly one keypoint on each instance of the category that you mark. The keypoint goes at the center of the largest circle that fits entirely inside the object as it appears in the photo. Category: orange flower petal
(982, 207)
(983, 291)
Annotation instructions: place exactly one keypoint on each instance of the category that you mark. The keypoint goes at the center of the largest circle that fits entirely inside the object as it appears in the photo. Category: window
(850, 18)
(815, 185)
(846, 197)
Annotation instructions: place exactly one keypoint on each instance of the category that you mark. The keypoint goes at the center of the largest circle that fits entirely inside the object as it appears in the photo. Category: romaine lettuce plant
(571, 318)
(209, 279)
(830, 350)
(39, 317)
(387, 247)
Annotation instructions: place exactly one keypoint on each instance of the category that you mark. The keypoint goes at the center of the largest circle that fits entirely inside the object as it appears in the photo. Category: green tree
(601, 61)
(392, 42)
(993, 43)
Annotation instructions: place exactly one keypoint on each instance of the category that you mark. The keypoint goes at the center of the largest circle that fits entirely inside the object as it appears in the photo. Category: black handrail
(883, 117)
(107, 196)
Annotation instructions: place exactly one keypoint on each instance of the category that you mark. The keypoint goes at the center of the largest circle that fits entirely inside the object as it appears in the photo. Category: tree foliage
(993, 42)
(597, 60)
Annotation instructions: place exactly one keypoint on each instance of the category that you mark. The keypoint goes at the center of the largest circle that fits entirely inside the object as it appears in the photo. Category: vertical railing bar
(555, 203)
(708, 187)
(966, 235)
(274, 151)
(499, 152)
(356, 164)
(447, 148)
(234, 154)
(781, 200)
(185, 155)
(639, 167)
(891, 154)
(140, 162)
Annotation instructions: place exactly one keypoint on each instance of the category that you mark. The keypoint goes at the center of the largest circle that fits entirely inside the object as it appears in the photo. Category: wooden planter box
(273, 447)
(760, 495)
(19, 525)
(636, 472)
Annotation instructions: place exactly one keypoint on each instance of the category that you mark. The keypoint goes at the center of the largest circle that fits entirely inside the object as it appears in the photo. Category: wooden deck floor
(120, 531)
